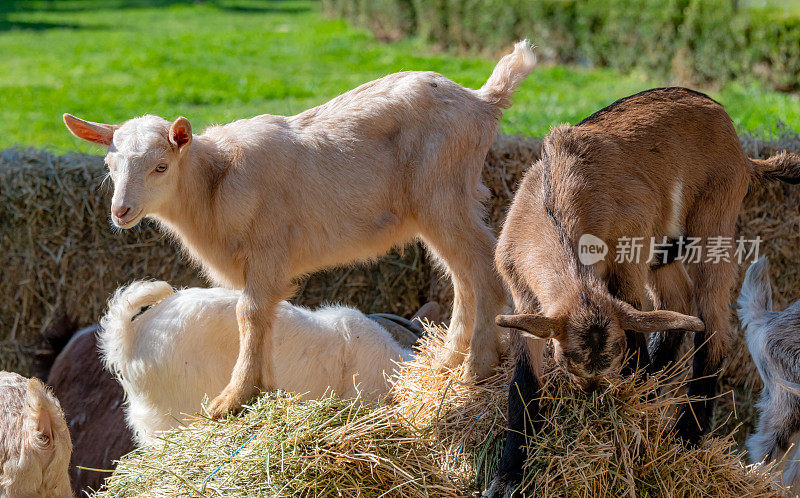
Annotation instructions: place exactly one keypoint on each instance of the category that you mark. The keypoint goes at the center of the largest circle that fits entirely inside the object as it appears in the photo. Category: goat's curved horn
(533, 326)
(660, 320)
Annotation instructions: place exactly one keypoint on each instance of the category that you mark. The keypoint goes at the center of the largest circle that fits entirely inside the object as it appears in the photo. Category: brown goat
(260, 202)
(662, 164)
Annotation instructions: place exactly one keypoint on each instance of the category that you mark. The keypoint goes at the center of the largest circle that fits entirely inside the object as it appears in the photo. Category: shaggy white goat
(184, 345)
(34, 440)
(773, 338)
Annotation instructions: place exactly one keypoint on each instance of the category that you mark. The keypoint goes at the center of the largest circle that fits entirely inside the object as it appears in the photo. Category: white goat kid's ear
(99, 133)
(180, 133)
(659, 320)
(532, 326)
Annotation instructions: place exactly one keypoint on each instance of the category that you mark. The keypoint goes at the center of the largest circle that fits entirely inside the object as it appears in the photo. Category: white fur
(185, 346)
(674, 228)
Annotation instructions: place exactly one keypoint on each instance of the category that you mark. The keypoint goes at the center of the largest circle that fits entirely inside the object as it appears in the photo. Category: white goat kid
(262, 201)
(773, 338)
(183, 347)
(35, 445)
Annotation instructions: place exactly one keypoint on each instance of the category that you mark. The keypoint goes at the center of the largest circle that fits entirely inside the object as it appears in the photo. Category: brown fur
(612, 176)
(615, 175)
(662, 163)
(260, 202)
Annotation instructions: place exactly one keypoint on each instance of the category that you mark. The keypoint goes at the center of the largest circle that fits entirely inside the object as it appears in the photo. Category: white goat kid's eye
(161, 168)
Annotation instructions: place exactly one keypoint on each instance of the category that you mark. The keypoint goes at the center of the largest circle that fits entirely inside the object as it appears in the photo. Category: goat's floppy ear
(99, 133)
(533, 326)
(659, 320)
(180, 133)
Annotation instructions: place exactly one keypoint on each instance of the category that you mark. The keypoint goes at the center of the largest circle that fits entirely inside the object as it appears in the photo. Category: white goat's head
(144, 157)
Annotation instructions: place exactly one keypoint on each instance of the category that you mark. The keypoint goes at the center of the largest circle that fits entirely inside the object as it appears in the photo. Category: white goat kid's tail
(508, 75)
(756, 297)
(116, 335)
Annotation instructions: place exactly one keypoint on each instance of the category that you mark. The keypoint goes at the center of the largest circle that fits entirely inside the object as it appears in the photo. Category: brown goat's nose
(119, 212)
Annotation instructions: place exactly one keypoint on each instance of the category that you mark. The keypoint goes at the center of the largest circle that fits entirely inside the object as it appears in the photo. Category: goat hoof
(503, 487)
(448, 359)
(228, 402)
(476, 368)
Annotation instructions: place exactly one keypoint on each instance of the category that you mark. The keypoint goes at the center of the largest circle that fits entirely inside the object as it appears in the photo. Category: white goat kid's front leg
(479, 296)
(491, 299)
(255, 313)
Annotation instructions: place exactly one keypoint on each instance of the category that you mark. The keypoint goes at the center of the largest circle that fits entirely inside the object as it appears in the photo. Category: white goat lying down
(773, 338)
(184, 345)
(34, 440)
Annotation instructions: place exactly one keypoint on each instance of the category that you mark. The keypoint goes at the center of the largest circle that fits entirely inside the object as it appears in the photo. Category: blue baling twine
(120, 493)
(209, 476)
(461, 447)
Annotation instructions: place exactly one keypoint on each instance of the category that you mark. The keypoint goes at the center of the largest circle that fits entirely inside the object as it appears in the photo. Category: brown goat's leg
(673, 291)
(255, 313)
(479, 296)
(524, 418)
(712, 283)
(712, 290)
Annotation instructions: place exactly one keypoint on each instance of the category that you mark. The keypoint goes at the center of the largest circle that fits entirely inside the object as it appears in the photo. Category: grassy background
(220, 60)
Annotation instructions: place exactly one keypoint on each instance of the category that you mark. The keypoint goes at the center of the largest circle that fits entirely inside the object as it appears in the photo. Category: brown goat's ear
(99, 133)
(533, 326)
(180, 133)
(659, 320)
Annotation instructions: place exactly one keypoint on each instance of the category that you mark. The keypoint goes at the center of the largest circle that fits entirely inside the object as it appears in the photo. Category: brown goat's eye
(161, 168)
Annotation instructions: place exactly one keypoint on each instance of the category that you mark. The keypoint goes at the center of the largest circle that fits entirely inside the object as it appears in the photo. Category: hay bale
(60, 253)
(57, 250)
(442, 437)
(283, 446)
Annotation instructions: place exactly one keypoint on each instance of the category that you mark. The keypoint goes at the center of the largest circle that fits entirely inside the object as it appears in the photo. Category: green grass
(221, 60)
(789, 8)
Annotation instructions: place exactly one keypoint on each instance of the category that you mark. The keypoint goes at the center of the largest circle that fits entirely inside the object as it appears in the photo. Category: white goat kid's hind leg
(479, 296)
(255, 313)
